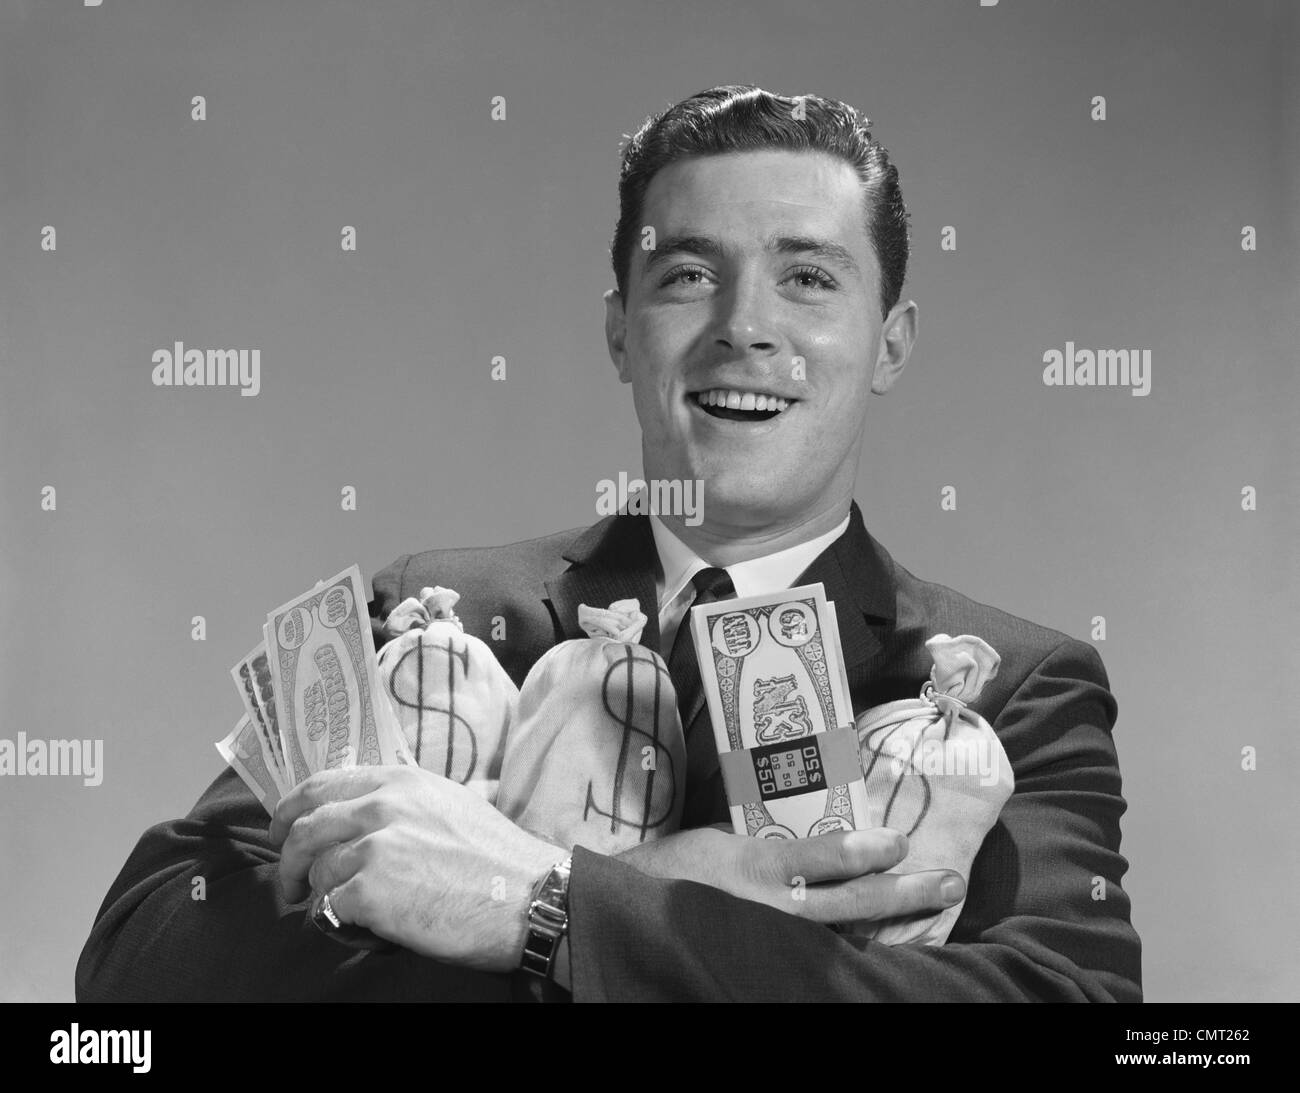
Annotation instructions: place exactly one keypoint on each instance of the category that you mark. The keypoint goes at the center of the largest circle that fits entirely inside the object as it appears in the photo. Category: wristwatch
(548, 920)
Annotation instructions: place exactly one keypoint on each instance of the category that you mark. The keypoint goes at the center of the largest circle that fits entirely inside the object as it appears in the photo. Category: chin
(740, 505)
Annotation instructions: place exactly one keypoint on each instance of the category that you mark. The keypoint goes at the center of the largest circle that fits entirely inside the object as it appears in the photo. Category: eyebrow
(706, 246)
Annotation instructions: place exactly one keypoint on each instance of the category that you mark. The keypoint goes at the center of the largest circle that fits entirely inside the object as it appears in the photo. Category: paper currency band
(837, 752)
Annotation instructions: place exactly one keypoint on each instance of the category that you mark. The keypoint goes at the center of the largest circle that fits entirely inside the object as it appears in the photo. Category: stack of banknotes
(311, 694)
(773, 676)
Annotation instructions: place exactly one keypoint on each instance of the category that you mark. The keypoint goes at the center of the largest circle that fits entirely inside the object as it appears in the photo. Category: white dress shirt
(770, 573)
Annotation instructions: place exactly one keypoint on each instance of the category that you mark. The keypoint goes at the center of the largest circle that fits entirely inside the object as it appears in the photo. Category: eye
(812, 273)
(677, 275)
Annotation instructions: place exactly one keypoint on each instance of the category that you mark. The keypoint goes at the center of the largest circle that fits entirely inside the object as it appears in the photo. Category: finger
(314, 832)
(337, 864)
(340, 784)
(349, 903)
(884, 896)
(840, 855)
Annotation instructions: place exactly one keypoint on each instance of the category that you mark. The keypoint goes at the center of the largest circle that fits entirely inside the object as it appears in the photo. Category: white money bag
(936, 771)
(597, 756)
(453, 700)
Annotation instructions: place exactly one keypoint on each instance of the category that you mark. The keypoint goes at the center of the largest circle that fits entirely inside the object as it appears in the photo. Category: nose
(744, 317)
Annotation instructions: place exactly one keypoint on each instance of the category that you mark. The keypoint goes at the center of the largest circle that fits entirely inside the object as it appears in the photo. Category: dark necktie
(710, 584)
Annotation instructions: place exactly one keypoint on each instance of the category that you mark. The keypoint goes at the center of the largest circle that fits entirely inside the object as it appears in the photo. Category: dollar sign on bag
(398, 681)
(625, 666)
(876, 743)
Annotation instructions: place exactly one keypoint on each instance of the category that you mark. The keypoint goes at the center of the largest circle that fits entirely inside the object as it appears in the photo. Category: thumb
(842, 855)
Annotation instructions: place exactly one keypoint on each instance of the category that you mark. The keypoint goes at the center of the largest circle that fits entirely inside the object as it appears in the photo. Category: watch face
(548, 920)
(551, 897)
(784, 770)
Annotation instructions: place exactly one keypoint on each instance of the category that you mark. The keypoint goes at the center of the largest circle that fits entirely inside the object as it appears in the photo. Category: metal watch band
(548, 920)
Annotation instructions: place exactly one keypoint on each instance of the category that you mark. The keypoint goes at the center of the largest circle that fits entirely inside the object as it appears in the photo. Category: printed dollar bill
(252, 677)
(773, 675)
(323, 670)
(245, 750)
(265, 692)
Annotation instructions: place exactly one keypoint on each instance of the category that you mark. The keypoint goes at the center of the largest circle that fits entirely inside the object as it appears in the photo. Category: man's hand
(829, 878)
(416, 858)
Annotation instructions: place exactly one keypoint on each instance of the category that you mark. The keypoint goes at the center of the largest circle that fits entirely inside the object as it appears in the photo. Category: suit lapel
(614, 559)
(858, 576)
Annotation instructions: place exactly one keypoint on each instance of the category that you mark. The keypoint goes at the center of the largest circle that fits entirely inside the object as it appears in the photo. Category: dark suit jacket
(1035, 925)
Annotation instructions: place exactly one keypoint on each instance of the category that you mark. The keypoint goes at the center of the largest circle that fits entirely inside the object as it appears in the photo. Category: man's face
(762, 282)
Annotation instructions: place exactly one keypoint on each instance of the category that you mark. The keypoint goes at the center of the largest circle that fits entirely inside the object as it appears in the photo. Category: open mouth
(730, 404)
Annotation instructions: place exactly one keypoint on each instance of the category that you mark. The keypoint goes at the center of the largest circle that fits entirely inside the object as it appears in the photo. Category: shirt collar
(754, 577)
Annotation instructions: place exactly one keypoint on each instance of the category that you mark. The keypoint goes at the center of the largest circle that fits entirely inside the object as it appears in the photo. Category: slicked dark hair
(744, 118)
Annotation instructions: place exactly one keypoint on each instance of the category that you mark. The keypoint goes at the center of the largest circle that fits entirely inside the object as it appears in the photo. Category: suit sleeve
(153, 940)
(1045, 917)
(388, 594)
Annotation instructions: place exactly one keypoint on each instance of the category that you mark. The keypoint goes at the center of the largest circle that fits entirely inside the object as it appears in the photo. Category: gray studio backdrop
(479, 238)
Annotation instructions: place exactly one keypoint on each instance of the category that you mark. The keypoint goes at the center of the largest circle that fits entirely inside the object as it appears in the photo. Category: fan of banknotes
(311, 694)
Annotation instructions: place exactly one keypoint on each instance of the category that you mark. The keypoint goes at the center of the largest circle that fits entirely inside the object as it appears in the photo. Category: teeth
(741, 400)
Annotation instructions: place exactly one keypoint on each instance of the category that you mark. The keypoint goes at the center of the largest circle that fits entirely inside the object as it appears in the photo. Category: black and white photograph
(562, 501)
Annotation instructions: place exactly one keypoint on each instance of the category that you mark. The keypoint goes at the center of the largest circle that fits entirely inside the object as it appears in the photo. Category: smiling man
(753, 336)
(753, 332)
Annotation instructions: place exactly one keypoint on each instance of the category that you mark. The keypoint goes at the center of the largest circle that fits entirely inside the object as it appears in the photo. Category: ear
(897, 337)
(616, 333)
